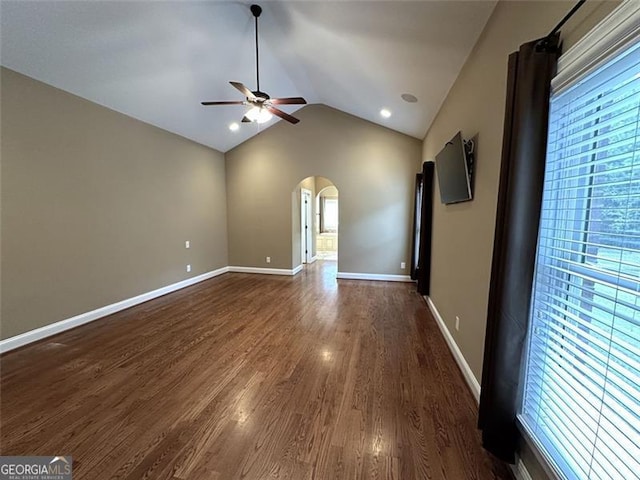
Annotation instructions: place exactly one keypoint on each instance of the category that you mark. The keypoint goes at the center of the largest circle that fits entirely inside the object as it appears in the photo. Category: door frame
(306, 225)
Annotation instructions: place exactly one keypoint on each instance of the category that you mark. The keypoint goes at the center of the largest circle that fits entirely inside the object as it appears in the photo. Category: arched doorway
(315, 221)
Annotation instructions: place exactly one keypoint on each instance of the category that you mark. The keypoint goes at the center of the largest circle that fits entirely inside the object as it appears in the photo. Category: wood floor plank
(251, 377)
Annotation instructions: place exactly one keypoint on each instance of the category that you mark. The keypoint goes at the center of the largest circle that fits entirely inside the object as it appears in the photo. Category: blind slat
(577, 139)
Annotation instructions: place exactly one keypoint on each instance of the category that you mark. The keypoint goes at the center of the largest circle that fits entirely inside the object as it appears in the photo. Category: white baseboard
(519, 470)
(63, 325)
(313, 259)
(266, 271)
(374, 276)
(457, 354)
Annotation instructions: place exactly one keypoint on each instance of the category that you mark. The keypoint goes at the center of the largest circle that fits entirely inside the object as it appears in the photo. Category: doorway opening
(315, 221)
(327, 225)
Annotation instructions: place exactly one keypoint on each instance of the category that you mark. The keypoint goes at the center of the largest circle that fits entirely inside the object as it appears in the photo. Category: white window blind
(581, 398)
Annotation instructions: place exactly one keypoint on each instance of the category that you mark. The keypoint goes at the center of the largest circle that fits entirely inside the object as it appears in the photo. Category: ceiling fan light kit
(262, 106)
(259, 115)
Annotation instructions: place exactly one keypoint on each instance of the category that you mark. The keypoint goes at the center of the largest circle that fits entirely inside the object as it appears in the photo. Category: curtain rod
(547, 40)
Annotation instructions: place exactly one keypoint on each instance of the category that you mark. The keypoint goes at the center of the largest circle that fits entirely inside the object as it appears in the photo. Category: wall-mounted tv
(454, 165)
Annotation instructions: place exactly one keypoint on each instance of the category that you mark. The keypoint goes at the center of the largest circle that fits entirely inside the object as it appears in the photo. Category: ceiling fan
(262, 104)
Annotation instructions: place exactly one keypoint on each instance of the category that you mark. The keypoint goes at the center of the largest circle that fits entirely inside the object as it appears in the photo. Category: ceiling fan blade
(222, 103)
(245, 91)
(245, 120)
(283, 115)
(288, 101)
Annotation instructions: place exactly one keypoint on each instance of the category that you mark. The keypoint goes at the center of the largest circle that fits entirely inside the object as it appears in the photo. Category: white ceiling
(156, 61)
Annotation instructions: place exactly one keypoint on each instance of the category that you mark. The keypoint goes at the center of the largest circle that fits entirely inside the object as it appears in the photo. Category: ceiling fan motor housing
(261, 95)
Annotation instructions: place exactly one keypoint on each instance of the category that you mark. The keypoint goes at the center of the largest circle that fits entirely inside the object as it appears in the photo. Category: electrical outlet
(187, 244)
(268, 259)
(403, 265)
(188, 268)
(457, 323)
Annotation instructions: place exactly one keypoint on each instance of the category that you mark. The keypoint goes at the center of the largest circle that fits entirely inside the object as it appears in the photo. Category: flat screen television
(454, 165)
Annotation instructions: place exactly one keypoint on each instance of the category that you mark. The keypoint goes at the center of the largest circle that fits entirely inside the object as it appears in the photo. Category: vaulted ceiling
(156, 61)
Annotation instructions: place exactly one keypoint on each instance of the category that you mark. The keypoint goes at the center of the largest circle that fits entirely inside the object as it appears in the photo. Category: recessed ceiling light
(385, 113)
(234, 127)
(407, 97)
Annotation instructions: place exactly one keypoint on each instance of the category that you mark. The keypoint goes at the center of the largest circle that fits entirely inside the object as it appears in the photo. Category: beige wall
(463, 233)
(373, 168)
(96, 206)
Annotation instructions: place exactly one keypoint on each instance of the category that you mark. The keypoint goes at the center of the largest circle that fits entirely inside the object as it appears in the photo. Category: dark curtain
(516, 233)
(423, 272)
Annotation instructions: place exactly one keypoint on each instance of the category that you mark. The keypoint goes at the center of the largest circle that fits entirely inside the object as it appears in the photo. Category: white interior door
(306, 225)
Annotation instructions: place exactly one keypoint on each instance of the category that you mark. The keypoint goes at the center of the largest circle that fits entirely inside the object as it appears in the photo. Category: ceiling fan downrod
(256, 10)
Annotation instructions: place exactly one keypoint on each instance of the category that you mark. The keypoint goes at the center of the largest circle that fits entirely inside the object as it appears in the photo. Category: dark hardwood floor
(252, 377)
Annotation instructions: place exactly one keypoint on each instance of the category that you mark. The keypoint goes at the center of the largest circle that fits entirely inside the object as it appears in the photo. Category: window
(329, 215)
(581, 397)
